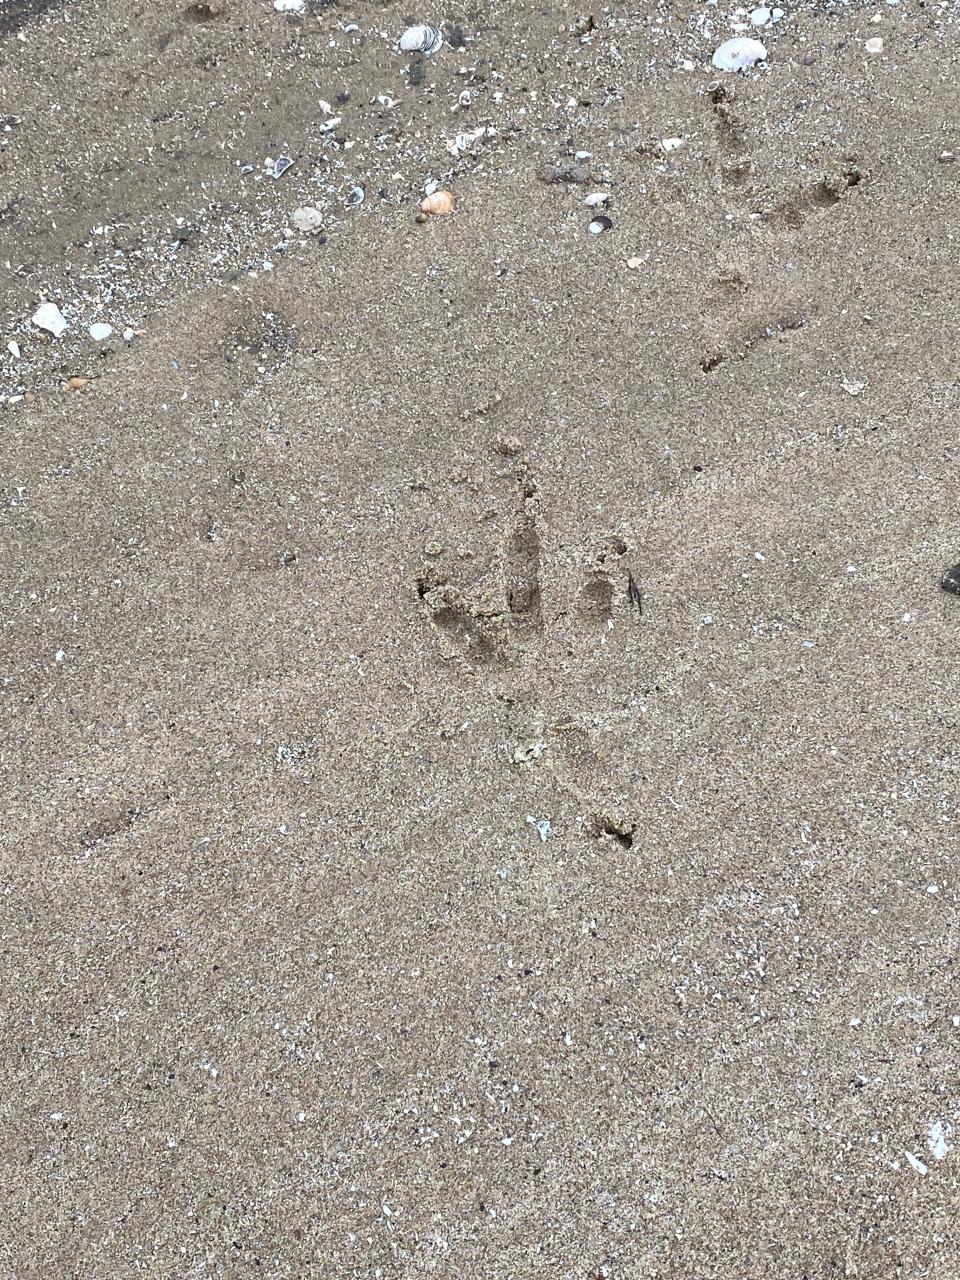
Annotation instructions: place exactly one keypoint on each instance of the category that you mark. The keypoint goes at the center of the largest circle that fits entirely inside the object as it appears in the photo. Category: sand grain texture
(295, 644)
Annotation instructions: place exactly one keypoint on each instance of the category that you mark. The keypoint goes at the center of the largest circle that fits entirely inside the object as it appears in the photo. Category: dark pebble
(951, 580)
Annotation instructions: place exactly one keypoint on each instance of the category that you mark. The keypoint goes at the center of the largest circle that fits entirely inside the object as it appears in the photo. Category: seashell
(307, 219)
(280, 166)
(874, 45)
(599, 225)
(355, 197)
(951, 580)
(739, 54)
(438, 202)
(421, 39)
(50, 317)
(100, 332)
(597, 198)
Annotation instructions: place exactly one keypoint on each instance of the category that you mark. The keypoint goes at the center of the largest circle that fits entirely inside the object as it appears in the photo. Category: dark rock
(951, 580)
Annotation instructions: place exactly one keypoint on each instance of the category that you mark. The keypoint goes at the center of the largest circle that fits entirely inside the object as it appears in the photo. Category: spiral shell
(421, 39)
(438, 202)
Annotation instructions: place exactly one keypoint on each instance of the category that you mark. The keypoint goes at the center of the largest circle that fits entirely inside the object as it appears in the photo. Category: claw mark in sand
(477, 632)
(825, 194)
(752, 338)
(604, 573)
(521, 559)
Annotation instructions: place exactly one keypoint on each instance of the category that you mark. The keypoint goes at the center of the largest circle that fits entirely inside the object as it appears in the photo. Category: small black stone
(951, 580)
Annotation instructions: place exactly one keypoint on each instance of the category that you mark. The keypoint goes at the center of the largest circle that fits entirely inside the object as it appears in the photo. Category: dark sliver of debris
(951, 580)
(16, 13)
(634, 596)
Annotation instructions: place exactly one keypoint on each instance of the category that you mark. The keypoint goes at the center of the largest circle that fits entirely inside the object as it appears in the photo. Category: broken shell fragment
(597, 198)
(50, 317)
(100, 332)
(355, 197)
(739, 54)
(438, 202)
(421, 39)
(280, 166)
(307, 219)
(599, 225)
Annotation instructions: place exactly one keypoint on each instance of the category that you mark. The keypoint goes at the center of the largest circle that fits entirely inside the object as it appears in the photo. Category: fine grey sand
(480, 757)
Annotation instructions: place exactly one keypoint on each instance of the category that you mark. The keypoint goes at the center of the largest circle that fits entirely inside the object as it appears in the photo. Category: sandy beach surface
(480, 713)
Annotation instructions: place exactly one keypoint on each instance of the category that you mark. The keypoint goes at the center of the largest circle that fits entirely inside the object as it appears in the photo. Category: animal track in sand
(499, 624)
(742, 345)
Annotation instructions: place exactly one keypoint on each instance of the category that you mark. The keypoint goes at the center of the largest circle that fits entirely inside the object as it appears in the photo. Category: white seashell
(421, 39)
(49, 317)
(760, 17)
(100, 332)
(14, 349)
(328, 126)
(670, 144)
(597, 198)
(874, 45)
(599, 225)
(355, 197)
(307, 219)
(464, 141)
(739, 54)
(290, 6)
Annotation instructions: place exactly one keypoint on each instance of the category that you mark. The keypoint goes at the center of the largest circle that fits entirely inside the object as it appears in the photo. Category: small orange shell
(438, 202)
